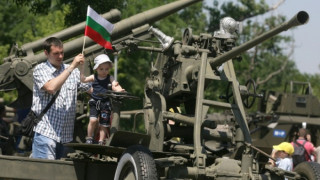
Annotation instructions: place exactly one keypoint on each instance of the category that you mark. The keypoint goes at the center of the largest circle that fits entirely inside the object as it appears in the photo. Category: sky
(307, 37)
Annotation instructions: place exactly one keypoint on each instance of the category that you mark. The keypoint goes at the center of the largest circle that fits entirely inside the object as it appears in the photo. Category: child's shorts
(102, 109)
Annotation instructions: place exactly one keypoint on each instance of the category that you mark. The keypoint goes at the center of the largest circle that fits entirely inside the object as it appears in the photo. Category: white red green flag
(98, 28)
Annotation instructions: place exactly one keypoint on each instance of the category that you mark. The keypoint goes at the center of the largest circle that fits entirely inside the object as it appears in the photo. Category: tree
(77, 8)
(20, 27)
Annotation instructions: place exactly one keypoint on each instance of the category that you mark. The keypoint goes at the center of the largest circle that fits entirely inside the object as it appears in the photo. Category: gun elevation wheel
(136, 163)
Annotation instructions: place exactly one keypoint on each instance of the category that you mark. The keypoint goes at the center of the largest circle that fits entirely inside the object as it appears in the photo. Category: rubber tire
(136, 161)
(308, 170)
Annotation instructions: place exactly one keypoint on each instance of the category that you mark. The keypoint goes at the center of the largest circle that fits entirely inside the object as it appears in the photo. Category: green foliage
(77, 11)
(8, 97)
(45, 25)
(4, 51)
(13, 25)
(20, 27)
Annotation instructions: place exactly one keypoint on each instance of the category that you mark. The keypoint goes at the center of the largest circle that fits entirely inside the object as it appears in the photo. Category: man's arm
(53, 85)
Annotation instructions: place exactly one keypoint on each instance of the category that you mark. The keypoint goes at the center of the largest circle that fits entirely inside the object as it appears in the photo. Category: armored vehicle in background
(181, 140)
(281, 114)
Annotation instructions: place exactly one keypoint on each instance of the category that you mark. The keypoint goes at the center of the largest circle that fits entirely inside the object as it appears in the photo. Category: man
(57, 125)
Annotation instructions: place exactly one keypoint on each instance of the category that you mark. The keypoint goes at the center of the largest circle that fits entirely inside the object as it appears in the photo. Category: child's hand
(116, 87)
(271, 162)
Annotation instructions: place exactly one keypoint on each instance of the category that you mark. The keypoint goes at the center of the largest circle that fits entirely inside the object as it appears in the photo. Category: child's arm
(273, 155)
(85, 79)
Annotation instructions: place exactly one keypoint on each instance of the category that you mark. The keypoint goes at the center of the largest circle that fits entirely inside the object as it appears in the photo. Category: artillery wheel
(308, 170)
(252, 91)
(136, 163)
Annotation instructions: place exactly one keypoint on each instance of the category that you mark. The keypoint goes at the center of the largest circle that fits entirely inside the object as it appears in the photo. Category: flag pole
(85, 31)
(84, 42)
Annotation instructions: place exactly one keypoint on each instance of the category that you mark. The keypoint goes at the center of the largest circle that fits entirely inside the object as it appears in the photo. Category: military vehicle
(281, 114)
(181, 141)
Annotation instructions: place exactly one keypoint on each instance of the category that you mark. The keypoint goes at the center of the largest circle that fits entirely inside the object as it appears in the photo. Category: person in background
(308, 137)
(57, 125)
(100, 108)
(302, 139)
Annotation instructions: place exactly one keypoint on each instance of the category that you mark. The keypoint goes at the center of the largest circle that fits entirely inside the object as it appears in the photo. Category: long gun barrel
(300, 18)
(123, 27)
(149, 17)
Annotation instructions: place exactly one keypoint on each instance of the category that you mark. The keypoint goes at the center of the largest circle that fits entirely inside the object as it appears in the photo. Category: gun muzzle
(300, 18)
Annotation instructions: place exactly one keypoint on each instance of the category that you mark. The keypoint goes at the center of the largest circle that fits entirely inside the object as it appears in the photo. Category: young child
(100, 108)
(282, 153)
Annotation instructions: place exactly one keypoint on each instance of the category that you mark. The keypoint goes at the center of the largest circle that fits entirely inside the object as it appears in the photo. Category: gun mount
(180, 74)
(176, 92)
(177, 105)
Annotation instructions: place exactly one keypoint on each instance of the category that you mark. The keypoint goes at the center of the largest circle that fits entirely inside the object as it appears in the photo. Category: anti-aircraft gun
(194, 146)
(183, 138)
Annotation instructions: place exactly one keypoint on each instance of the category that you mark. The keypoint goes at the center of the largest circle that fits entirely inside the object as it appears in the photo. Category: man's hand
(79, 59)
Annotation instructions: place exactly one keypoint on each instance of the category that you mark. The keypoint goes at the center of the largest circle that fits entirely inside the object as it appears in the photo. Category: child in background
(282, 153)
(100, 108)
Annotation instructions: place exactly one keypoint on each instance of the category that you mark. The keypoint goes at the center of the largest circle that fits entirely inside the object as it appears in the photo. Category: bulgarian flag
(98, 28)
